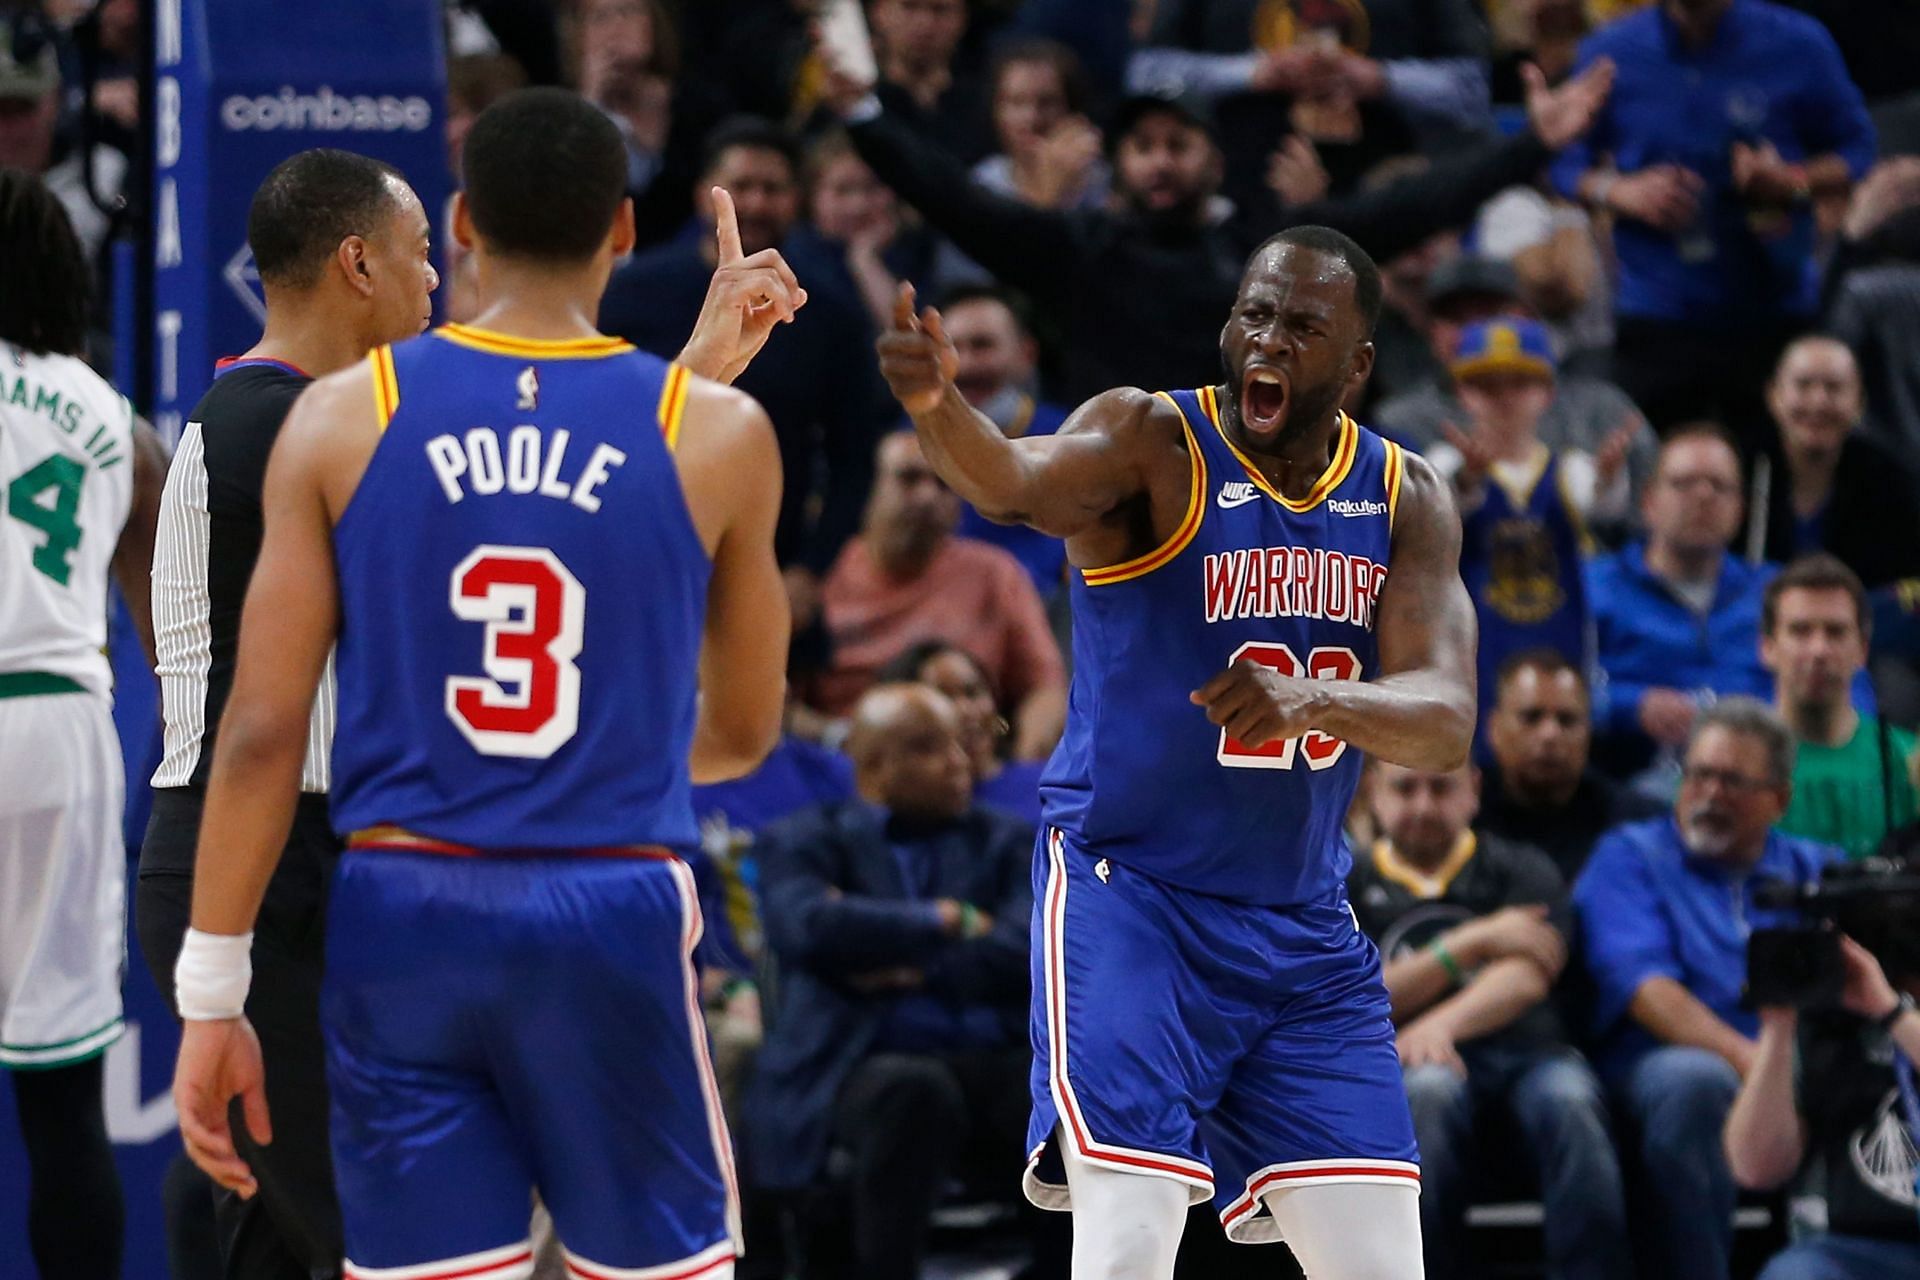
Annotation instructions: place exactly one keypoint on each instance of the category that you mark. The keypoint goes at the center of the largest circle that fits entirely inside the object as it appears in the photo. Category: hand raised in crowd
(1522, 931)
(1611, 456)
(1666, 196)
(746, 298)
(1427, 1042)
(1294, 172)
(916, 358)
(1764, 178)
(1892, 185)
(1667, 716)
(1064, 158)
(1476, 456)
(1297, 69)
(1866, 993)
(1558, 116)
(1361, 78)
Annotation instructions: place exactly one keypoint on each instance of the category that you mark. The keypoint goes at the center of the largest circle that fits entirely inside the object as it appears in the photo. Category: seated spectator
(1403, 359)
(30, 138)
(1585, 412)
(1012, 786)
(1711, 200)
(824, 405)
(1552, 246)
(908, 578)
(1874, 298)
(915, 43)
(998, 356)
(1815, 1106)
(1143, 288)
(1050, 152)
(1851, 784)
(1665, 907)
(1841, 491)
(854, 225)
(900, 921)
(1472, 931)
(1677, 616)
(1524, 507)
(474, 83)
(1539, 789)
(1369, 80)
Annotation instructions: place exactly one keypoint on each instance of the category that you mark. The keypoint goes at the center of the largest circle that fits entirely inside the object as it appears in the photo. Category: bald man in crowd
(900, 920)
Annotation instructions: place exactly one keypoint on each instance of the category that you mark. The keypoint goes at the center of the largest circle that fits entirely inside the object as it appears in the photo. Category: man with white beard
(1665, 908)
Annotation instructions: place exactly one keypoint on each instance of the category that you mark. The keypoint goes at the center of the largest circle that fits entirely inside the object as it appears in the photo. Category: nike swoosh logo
(1237, 495)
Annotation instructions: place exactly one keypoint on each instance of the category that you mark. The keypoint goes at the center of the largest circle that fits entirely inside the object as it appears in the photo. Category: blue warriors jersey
(1141, 776)
(522, 595)
(1520, 556)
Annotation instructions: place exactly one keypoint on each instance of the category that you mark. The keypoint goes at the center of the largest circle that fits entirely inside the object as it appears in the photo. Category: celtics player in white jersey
(80, 483)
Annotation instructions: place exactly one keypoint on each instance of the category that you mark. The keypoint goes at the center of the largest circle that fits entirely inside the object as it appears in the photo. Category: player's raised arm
(730, 473)
(286, 630)
(1060, 484)
(746, 298)
(1419, 711)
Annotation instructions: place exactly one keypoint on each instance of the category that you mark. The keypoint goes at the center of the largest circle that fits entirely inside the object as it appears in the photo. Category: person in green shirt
(1852, 782)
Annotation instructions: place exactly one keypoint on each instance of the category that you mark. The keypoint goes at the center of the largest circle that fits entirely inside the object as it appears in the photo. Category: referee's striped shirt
(209, 538)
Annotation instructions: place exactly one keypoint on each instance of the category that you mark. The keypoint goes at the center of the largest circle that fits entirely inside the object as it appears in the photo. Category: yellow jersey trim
(1344, 451)
(673, 402)
(507, 344)
(1189, 525)
(1396, 470)
(1422, 884)
(386, 385)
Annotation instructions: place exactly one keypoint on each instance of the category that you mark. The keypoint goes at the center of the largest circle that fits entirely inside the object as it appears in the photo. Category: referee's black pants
(291, 1228)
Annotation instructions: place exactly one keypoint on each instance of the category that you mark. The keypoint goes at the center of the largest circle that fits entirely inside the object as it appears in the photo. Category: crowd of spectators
(1652, 306)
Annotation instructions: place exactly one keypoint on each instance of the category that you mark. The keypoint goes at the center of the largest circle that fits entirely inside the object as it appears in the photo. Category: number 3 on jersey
(1320, 750)
(528, 704)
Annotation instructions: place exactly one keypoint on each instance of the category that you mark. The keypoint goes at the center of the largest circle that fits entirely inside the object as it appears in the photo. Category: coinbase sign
(235, 94)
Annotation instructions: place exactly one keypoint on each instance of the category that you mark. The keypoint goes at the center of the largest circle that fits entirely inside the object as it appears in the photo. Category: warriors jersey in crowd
(1141, 776)
(522, 593)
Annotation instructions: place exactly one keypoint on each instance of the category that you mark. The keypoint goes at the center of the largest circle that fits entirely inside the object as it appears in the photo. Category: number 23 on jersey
(1319, 750)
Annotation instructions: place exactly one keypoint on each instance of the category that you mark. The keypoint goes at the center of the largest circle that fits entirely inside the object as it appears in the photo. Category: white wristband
(211, 978)
(868, 108)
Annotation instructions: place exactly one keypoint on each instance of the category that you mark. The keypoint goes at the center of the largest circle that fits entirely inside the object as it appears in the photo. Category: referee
(341, 243)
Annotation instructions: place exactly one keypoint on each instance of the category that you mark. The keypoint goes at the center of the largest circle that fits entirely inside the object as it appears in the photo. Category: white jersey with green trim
(66, 484)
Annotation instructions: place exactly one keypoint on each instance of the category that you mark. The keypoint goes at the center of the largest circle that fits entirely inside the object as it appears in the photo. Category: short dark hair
(1066, 64)
(1815, 571)
(750, 132)
(1017, 306)
(43, 307)
(1700, 429)
(906, 666)
(308, 204)
(1548, 662)
(545, 173)
(1367, 290)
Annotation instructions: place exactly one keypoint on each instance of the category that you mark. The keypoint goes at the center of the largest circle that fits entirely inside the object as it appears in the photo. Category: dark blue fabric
(1769, 74)
(836, 910)
(1015, 790)
(1648, 908)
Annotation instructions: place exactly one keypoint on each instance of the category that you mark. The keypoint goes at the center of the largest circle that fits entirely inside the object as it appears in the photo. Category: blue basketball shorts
(494, 1025)
(1239, 1049)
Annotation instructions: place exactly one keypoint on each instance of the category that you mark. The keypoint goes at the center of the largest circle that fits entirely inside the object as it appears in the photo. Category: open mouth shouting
(1264, 394)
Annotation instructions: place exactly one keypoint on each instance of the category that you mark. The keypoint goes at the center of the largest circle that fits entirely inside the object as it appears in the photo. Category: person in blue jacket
(1665, 908)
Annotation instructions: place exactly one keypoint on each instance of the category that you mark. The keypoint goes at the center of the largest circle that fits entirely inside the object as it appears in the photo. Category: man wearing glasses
(1676, 617)
(1665, 907)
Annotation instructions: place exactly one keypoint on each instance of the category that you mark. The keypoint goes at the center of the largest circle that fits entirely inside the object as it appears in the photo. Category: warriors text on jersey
(522, 593)
(66, 484)
(1141, 776)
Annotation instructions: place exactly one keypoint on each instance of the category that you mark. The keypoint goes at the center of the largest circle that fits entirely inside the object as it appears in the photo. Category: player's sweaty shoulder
(728, 458)
(331, 433)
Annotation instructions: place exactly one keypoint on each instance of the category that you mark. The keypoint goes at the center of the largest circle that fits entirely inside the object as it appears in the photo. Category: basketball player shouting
(1265, 589)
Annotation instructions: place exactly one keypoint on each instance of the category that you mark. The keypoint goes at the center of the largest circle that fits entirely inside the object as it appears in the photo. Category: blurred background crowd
(1652, 307)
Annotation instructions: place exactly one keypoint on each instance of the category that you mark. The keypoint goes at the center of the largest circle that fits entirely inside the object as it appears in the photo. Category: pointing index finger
(726, 226)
